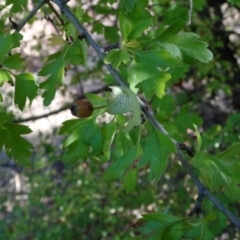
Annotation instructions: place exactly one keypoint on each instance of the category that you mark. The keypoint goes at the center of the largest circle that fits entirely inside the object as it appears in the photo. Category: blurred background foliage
(54, 201)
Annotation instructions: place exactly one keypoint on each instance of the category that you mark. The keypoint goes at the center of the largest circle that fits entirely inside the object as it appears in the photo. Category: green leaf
(83, 49)
(130, 180)
(184, 120)
(156, 152)
(108, 133)
(76, 53)
(231, 152)
(123, 100)
(230, 160)
(214, 174)
(111, 34)
(162, 226)
(199, 4)
(56, 71)
(118, 168)
(166, 104)
(72, 55)
(112, 1)
(154, 85)
(172, 30)
(5, 45)
(116, 56)
(138, 73)
(17, 6)
(85, 139)
(128, 5)
(14, 62)
(4, 117)
(4, 76)
(187, 47)
(16, 146)
(16, 39)
(25, 87)
(132, 25)
(157, 58)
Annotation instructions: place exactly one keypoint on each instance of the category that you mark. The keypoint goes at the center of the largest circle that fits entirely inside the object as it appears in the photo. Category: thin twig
(63, 108)
(201, 188)
(190, 13)
(34, 118)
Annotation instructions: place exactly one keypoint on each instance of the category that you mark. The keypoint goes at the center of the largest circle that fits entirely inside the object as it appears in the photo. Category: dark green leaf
(14, 62)
(230, 153)
(56, 71)
(156, 152)
(185, 120)
(16, 146)
(17, 6)
(157, 58)
(5, 45)
(172, 30)
(128, 5)
(85, 139)
(111, 34)
(118, 168)
(132, 25)
(116, 56)
(130, 180)
(25, 87)
(214, 174)
(108, 133)
(16, 39)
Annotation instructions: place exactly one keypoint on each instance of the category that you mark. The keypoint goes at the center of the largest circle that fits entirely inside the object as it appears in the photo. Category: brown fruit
(82, 108)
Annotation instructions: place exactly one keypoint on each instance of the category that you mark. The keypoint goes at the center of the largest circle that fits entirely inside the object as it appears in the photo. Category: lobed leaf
(187, 47)
(25, 87)
(55, 70)
(156, 152)
(123, 100)
(118, 168)
(85, 139)
(15, 145)
(154, 85)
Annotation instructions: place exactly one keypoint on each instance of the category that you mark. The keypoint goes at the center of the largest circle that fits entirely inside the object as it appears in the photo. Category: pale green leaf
(4, 76)
(123, 100)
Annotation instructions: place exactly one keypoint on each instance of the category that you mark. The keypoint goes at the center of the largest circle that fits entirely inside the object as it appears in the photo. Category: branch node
(14, 24)
(189, 149)
(111, 47)
(81, 36)
(197, 209)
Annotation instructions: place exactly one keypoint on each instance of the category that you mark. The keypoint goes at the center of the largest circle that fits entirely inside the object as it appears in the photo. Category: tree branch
(30, 15)
(201, 188)
(34, 118)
